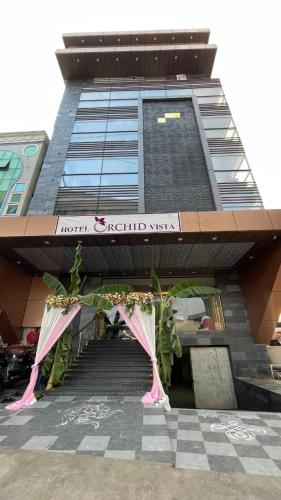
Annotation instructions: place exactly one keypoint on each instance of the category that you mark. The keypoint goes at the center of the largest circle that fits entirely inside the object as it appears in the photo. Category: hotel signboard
(118, 224)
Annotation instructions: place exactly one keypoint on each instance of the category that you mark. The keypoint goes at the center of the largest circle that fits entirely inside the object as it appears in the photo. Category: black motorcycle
(3, 369)
(17, 368)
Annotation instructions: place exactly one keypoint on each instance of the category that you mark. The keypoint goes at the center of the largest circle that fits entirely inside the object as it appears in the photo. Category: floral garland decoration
(66, 302)
(129, 300)
(132, 299)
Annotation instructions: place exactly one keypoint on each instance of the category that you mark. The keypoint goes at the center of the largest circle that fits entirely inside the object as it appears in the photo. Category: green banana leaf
(62, 358)
(195, 291)
(156, 287)
(74, 271)
(54, 284)
(93, 299)
(115, 288)
(181, 285)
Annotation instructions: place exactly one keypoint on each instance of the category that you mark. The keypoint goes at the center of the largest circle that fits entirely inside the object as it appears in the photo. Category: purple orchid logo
(100, 220)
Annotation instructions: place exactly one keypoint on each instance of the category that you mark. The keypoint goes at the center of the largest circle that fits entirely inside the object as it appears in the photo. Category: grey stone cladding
(45, 194)
(247, 359)
(175, 171)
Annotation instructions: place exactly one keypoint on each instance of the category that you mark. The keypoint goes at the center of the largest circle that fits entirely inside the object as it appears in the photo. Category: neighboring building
(144, 137)
(21, 158)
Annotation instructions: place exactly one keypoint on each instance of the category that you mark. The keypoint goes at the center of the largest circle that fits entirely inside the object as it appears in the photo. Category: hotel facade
(146, 168)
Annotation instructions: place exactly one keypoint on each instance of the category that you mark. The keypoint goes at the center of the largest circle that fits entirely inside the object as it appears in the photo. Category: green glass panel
(30, 150)
(10, 173)
(15, 198)
(12, 209)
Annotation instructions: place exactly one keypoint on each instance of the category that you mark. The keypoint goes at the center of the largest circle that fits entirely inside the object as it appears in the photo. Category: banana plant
(62, 349)
(168, 342)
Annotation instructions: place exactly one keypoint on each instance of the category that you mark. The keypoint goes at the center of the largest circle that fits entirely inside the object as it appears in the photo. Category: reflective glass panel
(234, 176)
(92, 166)
(225, 133)
(217, 122)
(230, 162)
(87, 137)
(212, 100)
(124, 94)
(116, 165)
(15, 198)
(20, 186)
(12, 209)
(80, 180)
(151, 93)
(90, 126)
(93, 96)
(119, 180)
(124, 102)
(121, 136)
(179, 92)
(207, 91)
(93, 104)
(116, 125)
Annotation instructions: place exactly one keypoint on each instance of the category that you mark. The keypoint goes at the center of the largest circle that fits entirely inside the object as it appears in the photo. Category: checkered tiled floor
(107, 427)
(223, 441)
(226, 441)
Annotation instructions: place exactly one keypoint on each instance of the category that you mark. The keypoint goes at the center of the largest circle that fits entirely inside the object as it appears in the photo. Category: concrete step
(93, 392)
(113, 369)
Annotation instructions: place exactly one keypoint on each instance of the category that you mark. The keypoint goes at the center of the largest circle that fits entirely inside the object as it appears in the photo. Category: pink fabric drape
(54, 323)
(143, 327)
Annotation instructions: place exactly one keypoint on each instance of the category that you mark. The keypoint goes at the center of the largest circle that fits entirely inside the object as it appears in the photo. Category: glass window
(30, 150)
(179, 92)
(124, 94)
(80, 180)
(153, 93)
(116, 125)
(212, 100)
(234, 176)
(15, 198)
(93, 104)
(119, 180)
(121, 136)
(123, 102)
(92, 166)
(98, 137)
(90, 126)
(93, 96)
(225, 133)
(10, 171)
(12, 209)
(217, 122)
(119, 165)
(20, 186)
(207, 91)
(230, 162)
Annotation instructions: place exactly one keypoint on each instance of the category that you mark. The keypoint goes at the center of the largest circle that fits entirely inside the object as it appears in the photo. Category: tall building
(21, 157)
(146, 168)
(143, 127)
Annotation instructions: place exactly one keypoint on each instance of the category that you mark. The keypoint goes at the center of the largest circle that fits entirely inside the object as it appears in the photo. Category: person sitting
(206, 323)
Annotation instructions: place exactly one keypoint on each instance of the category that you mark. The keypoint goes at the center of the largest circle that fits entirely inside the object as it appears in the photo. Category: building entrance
(181, 393)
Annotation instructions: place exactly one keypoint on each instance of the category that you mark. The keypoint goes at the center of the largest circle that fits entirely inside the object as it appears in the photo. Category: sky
(247, 62)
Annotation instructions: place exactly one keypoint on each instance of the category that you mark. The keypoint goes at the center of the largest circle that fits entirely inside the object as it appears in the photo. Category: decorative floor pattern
(226, 441)
(116, 427)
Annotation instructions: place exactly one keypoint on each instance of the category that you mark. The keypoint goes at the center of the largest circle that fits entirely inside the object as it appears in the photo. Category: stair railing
(81, 344)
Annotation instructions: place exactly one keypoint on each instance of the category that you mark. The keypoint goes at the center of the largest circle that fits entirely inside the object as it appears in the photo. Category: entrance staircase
(108, 368)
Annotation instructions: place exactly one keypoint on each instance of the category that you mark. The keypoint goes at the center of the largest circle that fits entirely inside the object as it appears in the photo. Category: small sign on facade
(118, 224)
